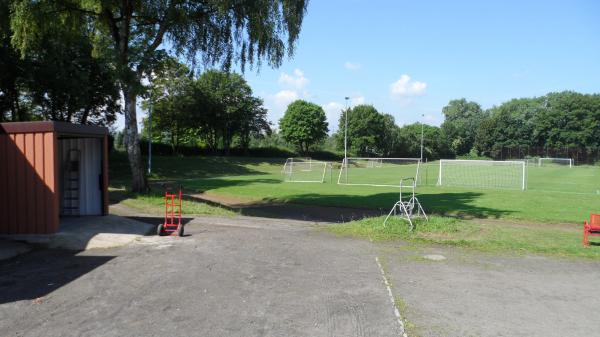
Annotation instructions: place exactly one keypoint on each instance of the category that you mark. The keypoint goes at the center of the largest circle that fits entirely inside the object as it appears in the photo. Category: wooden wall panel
(52, 176)
(3, 182)
(29, 190)
(12, 183)
(19, 191)
(40, 184)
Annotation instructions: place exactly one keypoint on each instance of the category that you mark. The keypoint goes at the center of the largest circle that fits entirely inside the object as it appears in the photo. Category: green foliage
(303, 124)
(229, 109)
(58, 78)
(214, 109)
(435, 145)
(171, 101)
(461, 124)
(368, 131)
(557, 120)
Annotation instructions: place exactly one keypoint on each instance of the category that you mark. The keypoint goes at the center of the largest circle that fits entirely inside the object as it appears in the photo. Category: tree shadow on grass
(344, 207)
(196, 167)
(445, 204)
(158, 188)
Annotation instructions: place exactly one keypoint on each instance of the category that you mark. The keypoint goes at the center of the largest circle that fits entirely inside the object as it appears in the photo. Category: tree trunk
(132, 143)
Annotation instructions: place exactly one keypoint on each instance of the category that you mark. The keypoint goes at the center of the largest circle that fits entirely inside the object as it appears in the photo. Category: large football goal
(377, 171)
(555, 161)
(304, 170)
(483, 174)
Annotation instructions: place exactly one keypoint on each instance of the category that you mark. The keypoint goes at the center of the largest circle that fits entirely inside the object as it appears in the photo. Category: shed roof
(62, 128)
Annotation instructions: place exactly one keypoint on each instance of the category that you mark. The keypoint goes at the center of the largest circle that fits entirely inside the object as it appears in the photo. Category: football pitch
(554, 194)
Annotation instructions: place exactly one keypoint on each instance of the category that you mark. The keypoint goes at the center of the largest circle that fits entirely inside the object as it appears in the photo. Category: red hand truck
(172, 211)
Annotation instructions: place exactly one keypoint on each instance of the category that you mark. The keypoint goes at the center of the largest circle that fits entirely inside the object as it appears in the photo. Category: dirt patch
(287, 210)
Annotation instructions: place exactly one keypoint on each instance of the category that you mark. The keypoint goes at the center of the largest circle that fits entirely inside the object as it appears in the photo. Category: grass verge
(155, 204)
(564, 241)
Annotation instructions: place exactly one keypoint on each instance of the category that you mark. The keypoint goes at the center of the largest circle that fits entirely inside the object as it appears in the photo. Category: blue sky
(409, 58)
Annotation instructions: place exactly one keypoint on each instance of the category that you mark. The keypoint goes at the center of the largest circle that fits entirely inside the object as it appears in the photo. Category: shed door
(84, 176)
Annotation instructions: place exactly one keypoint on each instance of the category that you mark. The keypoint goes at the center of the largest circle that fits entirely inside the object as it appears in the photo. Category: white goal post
(483, 174)
(308, 171)
(379, 172)
(556, 161)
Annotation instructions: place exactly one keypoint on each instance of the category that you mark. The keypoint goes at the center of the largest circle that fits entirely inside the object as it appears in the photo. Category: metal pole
(345, 164)
(150, 136)
(422, 138)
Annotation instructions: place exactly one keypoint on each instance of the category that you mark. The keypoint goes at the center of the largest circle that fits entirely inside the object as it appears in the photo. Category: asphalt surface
(248, 276)
(228, 277)
(477, 294)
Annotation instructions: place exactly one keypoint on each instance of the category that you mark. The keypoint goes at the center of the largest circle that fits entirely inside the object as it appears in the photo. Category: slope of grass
(155, 204)
(564, 241)
(260, 179)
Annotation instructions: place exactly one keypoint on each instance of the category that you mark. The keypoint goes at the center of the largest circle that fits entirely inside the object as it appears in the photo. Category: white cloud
(333, 111)
(352, 65)
(405, 87)
(296, 81)
(358, 100)
(284, 97)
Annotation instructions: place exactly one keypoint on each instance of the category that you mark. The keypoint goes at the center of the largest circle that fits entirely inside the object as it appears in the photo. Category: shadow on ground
(34, 275)
(192, 167)
(343, 207)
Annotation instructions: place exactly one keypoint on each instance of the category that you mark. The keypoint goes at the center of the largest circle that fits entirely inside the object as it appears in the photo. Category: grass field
(554, 194)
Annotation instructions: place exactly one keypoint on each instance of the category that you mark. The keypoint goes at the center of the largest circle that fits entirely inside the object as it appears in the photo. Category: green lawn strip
(155, 204)
(519, 239)
(260, 180)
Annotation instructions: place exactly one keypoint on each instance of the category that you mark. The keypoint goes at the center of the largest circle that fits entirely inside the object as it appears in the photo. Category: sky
(410, 58)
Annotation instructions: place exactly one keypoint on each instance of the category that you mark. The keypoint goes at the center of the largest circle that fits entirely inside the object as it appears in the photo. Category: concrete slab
(10, 249)
(90, 232)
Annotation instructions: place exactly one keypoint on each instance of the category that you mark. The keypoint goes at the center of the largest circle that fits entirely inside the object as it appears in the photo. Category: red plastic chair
(591, 228)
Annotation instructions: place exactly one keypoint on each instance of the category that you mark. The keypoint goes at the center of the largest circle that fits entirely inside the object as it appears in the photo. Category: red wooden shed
(49, 170)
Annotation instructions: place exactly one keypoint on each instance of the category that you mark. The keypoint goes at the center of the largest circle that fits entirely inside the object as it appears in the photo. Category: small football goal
(304, 170)
(377, 171)
(555, 161)
(483, 174)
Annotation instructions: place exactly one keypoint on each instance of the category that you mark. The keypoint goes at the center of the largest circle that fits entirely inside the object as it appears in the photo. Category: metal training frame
(406, 208)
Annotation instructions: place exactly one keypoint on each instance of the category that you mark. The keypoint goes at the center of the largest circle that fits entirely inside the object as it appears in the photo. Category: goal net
(304, 170)
(377, 171)
(482, 174)
(555, 162)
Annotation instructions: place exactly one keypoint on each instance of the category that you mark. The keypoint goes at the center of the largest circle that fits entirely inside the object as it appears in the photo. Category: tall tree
(303, 124)
(171, 99)
(461, 124)
(366, 130)
(134, 31)
(230, 109)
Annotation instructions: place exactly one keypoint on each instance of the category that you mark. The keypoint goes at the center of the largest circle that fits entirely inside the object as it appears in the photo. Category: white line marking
(389, 289)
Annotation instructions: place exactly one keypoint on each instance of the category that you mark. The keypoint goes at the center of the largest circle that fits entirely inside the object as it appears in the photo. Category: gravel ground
(246, 276)
(228, 277)
(475, 294)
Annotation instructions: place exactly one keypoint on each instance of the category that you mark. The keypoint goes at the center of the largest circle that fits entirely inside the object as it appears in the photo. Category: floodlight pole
(346, 138)
(150, 136)
(422, 137)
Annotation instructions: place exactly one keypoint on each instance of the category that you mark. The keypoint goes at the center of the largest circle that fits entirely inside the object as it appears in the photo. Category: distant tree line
(563, 124)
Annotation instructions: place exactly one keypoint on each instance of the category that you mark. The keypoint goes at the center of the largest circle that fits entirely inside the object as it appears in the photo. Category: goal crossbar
(387, 172)
(565, 161)
(498, 175)
(305, 171)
